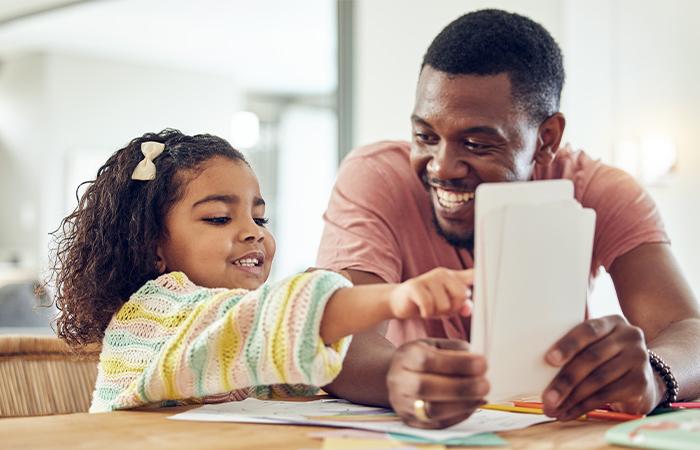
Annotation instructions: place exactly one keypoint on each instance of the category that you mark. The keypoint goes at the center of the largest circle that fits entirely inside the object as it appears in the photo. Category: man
(486, 110)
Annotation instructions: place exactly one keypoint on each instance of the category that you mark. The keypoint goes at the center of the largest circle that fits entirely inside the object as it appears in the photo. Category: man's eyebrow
(226, 198)
(482, 130)
(479, 129)
(420, 120)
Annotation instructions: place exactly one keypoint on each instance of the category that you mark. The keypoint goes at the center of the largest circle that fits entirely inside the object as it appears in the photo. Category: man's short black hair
(491, 41)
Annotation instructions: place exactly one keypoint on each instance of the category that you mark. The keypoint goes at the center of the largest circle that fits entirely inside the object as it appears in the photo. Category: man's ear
(549, 138)
(160, 260)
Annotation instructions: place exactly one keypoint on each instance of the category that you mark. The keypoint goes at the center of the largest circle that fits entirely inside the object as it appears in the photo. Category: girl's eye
(217, 220)
(262, 221)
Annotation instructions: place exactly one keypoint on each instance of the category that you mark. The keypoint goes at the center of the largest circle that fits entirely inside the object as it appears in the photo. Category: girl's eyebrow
(228, 199)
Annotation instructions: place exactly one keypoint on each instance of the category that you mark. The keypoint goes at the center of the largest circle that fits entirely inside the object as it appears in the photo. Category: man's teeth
(451, 199)
(248, 262)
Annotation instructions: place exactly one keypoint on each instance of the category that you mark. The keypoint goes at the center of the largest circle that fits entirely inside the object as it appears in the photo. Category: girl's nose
(251, 232)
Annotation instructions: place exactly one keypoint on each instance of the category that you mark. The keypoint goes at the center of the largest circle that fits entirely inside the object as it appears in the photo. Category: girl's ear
(549, 138)
(160, 261)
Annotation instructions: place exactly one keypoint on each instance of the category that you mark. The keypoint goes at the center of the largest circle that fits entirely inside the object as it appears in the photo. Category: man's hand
(441, 372)
(603, 361)
(440, 292)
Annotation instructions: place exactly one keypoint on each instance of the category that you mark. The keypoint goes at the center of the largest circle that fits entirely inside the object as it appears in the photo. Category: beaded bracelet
(664, 371)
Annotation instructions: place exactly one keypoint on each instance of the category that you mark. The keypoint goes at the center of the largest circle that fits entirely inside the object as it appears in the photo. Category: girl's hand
(440, 292)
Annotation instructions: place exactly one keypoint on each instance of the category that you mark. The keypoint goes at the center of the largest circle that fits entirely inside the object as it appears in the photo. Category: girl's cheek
(272, 246)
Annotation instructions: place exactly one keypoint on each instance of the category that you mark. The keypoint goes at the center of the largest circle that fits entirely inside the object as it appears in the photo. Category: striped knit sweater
(174, 342)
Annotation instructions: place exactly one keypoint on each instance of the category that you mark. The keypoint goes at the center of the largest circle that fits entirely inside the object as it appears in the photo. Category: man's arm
(363, 377)
(605, 360)
(655, 296)
(441, 372)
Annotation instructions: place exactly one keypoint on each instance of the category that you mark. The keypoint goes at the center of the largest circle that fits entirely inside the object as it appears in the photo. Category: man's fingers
(442, 388)
(620, 354)
(441, 414)
(587, 365)
(580, 337)
(442, 373)
(598, 379)
(423, 356)
(442, 411)
(446, 344)
(620, 389)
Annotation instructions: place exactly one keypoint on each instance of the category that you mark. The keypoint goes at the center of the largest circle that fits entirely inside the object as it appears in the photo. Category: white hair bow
(146, 170)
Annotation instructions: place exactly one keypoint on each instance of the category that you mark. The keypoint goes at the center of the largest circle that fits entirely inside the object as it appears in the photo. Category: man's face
(467, 131)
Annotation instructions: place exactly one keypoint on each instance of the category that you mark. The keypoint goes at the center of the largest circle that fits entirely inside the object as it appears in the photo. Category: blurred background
(295, 85)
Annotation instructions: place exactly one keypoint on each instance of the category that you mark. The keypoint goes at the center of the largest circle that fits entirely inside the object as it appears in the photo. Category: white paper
(492, 198)
(533, 252)
(542, 289)
(339, 413)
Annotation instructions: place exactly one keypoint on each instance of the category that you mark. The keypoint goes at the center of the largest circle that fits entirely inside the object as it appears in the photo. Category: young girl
(176, 225)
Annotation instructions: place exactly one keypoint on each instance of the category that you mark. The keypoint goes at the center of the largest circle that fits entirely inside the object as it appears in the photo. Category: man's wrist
(666, 383)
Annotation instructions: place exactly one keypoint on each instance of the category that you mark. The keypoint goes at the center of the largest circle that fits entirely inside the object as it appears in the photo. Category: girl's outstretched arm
(174, 340)
(440, 292)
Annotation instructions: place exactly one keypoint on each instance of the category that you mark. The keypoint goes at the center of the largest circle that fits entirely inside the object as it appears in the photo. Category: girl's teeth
(247, 262)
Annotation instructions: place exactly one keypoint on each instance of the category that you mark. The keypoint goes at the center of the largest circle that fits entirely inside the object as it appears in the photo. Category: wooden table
(147, 430)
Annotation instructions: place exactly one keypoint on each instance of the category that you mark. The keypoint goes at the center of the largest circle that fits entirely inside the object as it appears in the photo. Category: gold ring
(419, 410)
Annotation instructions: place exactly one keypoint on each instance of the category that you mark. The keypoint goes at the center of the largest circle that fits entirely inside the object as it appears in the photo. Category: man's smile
(452, 199)
(452, 205)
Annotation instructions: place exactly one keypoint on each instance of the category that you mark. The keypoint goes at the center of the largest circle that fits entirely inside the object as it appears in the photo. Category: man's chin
(460, 239)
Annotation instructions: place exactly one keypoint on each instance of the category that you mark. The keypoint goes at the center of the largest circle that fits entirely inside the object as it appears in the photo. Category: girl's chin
(232, 283)
(245, 281)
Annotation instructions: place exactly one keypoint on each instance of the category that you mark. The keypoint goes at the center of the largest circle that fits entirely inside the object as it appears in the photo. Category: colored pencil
(595, 414)
(513, 409)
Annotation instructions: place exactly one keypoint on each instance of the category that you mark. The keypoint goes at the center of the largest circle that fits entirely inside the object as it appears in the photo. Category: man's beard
(454, 240)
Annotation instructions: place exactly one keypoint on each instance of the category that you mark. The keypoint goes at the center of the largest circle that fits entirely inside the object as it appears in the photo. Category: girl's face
(216, 232)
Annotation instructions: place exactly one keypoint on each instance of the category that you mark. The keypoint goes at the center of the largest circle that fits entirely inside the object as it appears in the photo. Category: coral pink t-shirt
(379, 220)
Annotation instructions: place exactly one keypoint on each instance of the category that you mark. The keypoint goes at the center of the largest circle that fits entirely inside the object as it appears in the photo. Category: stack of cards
(532, 260)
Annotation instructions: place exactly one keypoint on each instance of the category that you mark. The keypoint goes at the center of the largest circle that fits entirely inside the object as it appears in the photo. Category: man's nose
(447, 163)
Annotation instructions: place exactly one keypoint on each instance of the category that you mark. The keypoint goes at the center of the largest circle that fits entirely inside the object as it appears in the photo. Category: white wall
(22, 96)
(632, 71)
(61, 107)
(632, 68)
(306, 177)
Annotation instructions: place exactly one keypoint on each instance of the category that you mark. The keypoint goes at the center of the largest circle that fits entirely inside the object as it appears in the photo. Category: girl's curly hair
(106, 248)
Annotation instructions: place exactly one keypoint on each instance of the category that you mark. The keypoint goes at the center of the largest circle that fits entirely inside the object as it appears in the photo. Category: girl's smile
(251, 262)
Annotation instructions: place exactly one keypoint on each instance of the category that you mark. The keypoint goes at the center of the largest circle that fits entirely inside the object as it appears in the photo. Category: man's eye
(262, 221)
(476, 146)
(424, 137)
(217, 220)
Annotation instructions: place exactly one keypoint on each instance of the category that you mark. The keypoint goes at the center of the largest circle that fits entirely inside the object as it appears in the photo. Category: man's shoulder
(382, 152)
(584, 171)
(381, 162)
(596, 183)
(568, 164)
